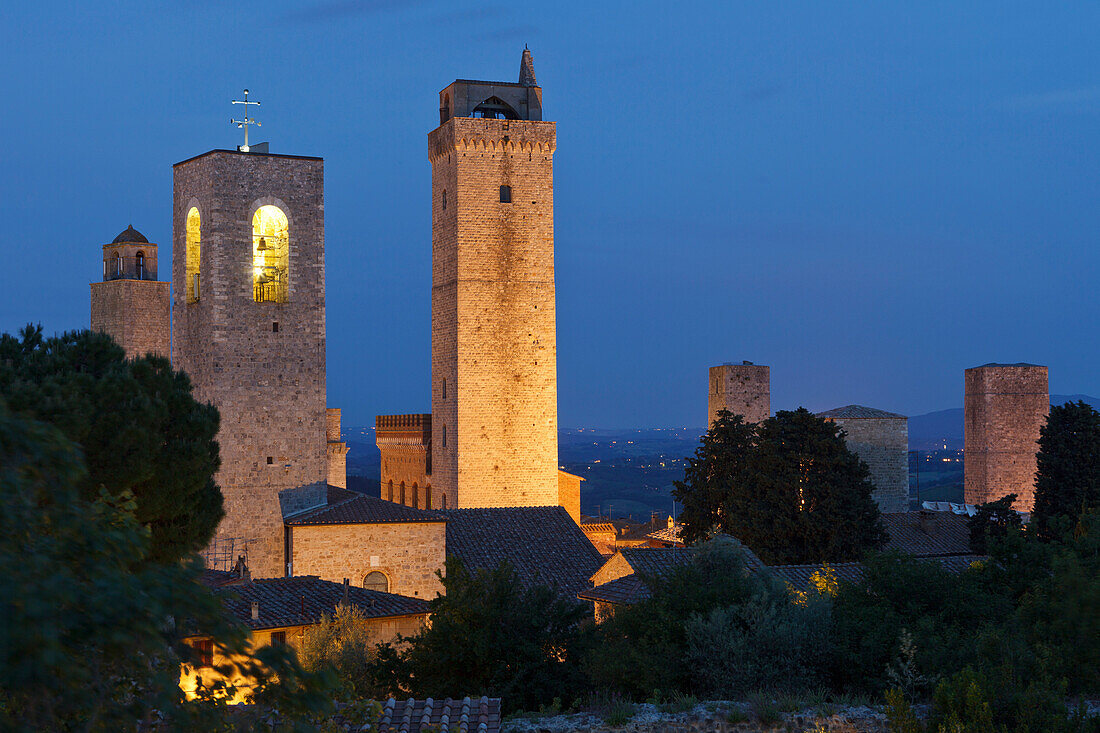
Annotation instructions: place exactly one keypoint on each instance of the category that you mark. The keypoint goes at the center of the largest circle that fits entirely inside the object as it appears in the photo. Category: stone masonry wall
(337, 450)
(408, 553)
(134, 313)
(494, 435)
(1004, 408)
(267, 382)
(569, 494)
(883, 444)
(743, 389)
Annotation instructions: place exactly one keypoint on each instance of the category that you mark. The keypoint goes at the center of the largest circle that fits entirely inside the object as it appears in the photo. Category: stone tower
(131, 305)
(249, 306)
(494, 350)
(743, 389)
(881, 440)
(1004, 408)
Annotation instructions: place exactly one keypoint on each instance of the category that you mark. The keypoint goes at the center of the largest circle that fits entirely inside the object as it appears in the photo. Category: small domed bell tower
(131, 304)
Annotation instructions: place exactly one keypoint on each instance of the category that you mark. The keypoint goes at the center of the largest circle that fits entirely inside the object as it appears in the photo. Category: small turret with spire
(527, 69)
(508, 100)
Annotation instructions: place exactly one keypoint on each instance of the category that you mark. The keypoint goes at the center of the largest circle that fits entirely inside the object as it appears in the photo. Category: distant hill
(934, 430)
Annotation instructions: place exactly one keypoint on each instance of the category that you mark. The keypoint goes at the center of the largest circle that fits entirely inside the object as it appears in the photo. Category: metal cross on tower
(246, 121)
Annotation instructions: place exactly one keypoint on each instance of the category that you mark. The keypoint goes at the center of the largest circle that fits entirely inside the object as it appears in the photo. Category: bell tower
(494, 415)
(249, 310)
(131, 304)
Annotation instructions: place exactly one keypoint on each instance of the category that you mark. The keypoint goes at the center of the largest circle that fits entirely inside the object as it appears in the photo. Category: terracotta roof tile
(629, 589)
(468, 715)
(927, 534)
(363, 509)
(305, 599)
(543, 544)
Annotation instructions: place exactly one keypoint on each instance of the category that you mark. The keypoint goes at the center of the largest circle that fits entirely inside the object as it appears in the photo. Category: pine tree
(710, 475)
(136, 422)
(1067, 480)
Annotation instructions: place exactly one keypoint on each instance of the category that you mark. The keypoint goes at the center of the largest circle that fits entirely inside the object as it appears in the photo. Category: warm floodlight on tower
(243, 124)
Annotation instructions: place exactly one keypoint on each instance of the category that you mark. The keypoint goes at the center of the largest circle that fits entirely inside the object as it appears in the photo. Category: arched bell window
(118, 264)
(377, 581)
(270, 255)
(402, 492)
(191, 278)
(390, 493)
(416, 495)
(139, 263)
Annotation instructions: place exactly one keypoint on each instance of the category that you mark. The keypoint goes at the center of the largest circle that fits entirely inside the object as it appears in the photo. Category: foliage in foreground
(92, 636)
(490, 635)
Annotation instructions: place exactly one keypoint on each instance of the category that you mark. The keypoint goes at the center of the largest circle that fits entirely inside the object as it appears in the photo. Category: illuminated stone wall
(1004, 408)
(134, 313)
(493, 313)
(408, 553)
(261, 364)
(743, 389)
(337, 450)
(404, 444)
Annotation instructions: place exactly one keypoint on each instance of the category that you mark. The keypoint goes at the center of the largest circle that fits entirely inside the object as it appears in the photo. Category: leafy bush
(345, 643)
(766, 643)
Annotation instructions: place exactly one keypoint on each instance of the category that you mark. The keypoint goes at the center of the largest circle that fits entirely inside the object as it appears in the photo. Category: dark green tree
(992, 520)
(138, 425)
(711, 475)
(1067, 480)
(794, 494)
(91, 638)
(489, 635)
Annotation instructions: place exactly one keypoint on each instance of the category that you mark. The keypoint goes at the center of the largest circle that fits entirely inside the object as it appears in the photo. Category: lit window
(377, 581)
(270, 255)
(505, 194)
(205, 649)
(191, 279)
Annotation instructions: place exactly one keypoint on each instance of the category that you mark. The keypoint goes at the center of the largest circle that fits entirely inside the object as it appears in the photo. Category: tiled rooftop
(927, 534)
(363, 509)
(543, 544)
(476, 715)
(305, 599)
(629, 589)
(858, 411)
(656, 560)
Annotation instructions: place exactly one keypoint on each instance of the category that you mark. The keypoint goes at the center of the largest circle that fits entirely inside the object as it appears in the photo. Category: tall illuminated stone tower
(744, 389)
(494, 349)
(131, 304)
(249, 310)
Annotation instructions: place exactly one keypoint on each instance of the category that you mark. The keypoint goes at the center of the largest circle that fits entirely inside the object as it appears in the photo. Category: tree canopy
(789, 488)
(1067, 480)
(135, 420)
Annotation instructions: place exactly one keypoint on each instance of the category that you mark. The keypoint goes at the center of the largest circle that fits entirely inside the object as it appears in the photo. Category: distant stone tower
(337, 451)
(249, 313)
(743, 389)
(131, 305)
(494, 352)
(881, 440)
(1004, 408)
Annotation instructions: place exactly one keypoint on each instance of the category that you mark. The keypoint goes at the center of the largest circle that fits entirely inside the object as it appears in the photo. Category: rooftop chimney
(347, 586)
(255, 610)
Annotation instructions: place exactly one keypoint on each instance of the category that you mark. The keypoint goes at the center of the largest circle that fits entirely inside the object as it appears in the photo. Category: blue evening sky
(869, 197)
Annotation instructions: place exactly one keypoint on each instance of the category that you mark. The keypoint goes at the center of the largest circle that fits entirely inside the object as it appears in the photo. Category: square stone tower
(494, 352)
(131, 304)
(881, 440)
(743, 389)
(1004, 408)
(249, 306)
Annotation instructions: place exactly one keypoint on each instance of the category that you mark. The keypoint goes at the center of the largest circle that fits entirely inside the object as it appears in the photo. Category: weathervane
(246, 121)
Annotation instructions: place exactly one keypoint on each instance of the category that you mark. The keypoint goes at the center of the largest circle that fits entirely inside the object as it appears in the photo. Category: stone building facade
(408, 554)
(249, 329)
(881, 440)
(337, 450)
(1005, 406)
(743, 389)
(494, 351)
(130, 304)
